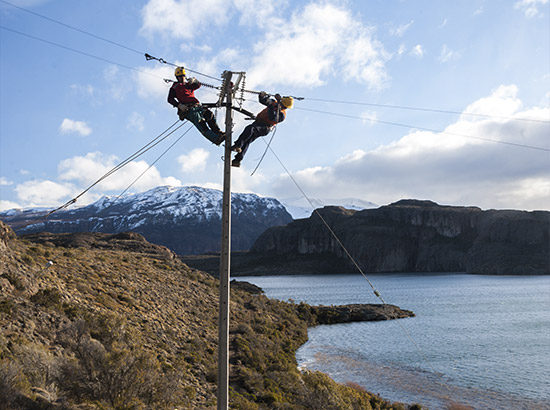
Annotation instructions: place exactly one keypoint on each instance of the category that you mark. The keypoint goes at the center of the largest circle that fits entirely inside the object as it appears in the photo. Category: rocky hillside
(99, 321)
(187, 220)
(414, 236)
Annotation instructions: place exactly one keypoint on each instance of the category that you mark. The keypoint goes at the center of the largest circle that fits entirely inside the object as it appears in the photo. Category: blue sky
(66, 118)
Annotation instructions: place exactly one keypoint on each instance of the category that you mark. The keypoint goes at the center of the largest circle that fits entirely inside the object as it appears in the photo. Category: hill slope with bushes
(118, 323)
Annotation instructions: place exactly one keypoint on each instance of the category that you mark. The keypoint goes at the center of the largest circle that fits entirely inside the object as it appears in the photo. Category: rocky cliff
(419, 236)
(185, 219)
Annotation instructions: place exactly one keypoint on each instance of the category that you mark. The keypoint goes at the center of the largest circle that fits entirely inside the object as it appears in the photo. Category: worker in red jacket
(274, 113)
(182, 97)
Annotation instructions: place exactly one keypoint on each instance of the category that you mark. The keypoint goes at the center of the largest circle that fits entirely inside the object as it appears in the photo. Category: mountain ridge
(185, 219)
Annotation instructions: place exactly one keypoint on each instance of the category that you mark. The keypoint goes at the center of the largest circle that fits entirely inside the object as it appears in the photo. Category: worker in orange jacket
(274, 113)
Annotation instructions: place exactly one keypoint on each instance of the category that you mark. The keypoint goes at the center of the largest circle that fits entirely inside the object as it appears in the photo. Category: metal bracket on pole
(225, 253)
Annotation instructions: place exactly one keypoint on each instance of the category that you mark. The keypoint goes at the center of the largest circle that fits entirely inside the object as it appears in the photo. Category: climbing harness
(269, 143)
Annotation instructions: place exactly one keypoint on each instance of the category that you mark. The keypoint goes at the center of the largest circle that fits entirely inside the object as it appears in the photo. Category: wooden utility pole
(225, 254)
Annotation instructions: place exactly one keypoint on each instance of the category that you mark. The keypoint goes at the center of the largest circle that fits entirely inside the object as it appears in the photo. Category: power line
(152, 164)
(401, 107)
(427, 129)
(104, 59)
(77, 51)
(135, 155)
(161, 60)
(72, 27)
(147, 56)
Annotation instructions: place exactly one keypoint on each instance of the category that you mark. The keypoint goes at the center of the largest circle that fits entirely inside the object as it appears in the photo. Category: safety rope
(269, 143)
(352, 259)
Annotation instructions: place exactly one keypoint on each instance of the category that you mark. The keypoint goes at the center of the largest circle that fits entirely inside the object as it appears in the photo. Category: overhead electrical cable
(152, 164)
(401, 107)
(71, 27)
(161, 60)
(135, 155)
(426, 129)
(96, 57)
(78, 51)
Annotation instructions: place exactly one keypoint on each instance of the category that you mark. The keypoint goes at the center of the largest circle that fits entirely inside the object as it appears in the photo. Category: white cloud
(400, 30)
(119, 82)
(401, 50)
(78, 127)
(5, 205)
(447, 54)
(369, 116)
(503, 101)
(166, 16)
(449, 169)
(530, 7)
(84, 90)
(43, 193)
(5, 182)
(320, 40)
(149, 82)
(417, 51)
(242, 181)
(195, 161)
(135, 122)
(88, 169)
(258, 11)
(184, 18)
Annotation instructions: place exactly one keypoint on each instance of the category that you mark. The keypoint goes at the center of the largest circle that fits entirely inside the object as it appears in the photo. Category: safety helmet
(180, 71)
(288, 102)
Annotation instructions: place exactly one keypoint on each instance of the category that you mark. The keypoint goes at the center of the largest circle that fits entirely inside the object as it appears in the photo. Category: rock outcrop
(419, 236)
(329, 315)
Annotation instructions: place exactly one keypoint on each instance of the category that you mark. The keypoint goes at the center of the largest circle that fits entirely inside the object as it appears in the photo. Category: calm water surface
(477, 340)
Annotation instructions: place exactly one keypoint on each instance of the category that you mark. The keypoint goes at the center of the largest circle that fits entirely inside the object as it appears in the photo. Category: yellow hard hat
(180, 71)
(288, 102)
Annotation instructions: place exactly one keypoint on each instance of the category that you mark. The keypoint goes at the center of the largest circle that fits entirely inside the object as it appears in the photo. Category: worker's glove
(263, 94)
(192, 80)
(277, 97)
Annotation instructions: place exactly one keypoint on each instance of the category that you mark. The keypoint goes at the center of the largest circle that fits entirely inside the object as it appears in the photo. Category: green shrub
(27, 259)
(7, 306)
(15, 281)
(47, 298)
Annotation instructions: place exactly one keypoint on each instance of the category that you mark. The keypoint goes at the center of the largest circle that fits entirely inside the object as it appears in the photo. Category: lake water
(476, 340)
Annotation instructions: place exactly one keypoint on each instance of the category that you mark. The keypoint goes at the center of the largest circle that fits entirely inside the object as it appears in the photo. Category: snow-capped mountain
(299, 207)
(185, 219)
